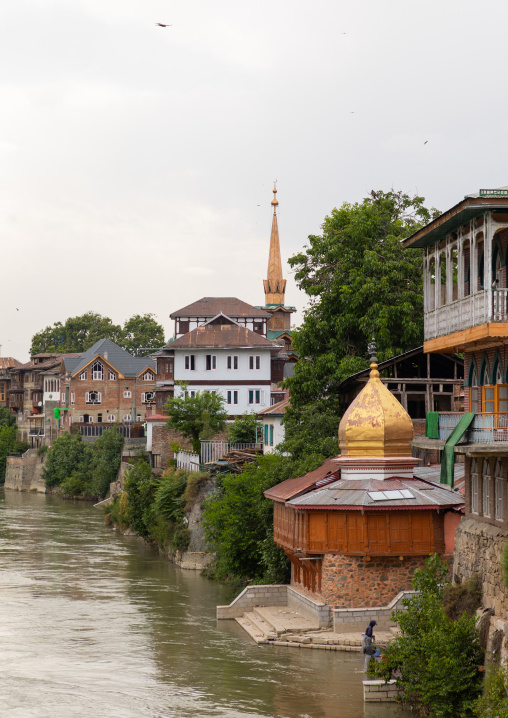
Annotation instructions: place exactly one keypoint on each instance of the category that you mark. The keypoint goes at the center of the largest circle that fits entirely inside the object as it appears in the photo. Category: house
(26, 394)
(6, 364)
(422, 383)
(466, 310)
(225, 357)
(104, 385)
(271, 420)
(356, 529)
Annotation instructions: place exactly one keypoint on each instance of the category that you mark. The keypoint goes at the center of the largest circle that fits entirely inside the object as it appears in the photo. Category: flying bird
(425, 142)
(160, 24)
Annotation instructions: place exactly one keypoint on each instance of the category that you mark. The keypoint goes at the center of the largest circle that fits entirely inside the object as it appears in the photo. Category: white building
(273, 429)
(224, 357)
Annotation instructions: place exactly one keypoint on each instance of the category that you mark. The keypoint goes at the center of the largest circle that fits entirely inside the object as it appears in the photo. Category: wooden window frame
(495, 400)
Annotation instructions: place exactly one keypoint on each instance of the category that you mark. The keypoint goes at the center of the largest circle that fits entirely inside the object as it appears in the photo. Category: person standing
(368, 644)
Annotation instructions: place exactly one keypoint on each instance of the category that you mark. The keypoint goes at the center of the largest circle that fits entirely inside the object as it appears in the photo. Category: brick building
(356, 529)
(104, 385)
(466, 310)
(6, 365)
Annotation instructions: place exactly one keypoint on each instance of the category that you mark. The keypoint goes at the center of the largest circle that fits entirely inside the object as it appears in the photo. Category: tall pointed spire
(274, 284)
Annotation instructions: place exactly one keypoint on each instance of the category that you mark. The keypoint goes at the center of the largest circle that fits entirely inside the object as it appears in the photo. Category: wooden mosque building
(356, 529)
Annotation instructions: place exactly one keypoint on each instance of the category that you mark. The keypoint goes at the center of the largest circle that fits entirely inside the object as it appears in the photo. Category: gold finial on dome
(375, 423)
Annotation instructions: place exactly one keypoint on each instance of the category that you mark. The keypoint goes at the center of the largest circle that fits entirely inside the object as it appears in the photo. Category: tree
(193, 415)
(7, 418)
(244, 429)
(361, 282)
(106, 461)
(68, 455)
(78, 334)
(7, 443)
(142, 334)
(438, 658)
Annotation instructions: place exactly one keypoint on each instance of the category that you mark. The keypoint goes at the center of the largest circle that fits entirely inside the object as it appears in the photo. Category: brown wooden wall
(375, 533)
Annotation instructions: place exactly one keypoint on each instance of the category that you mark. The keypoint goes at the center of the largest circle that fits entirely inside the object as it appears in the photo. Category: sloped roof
(278, 409)
(222, 336)
(211, 306)
(44, 365)
(357, 494)
(117, 357)
(275, 334)
(9, 363)
(294, 487)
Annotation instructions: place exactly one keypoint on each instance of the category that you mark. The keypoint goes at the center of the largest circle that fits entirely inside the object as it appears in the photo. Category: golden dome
(375, 423)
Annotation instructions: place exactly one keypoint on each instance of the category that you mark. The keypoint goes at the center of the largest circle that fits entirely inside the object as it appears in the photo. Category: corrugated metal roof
(211, 306)
(292, 487)
(357, 493)
(8, 363)
(222, 336)
(278, 409)
(117, 357)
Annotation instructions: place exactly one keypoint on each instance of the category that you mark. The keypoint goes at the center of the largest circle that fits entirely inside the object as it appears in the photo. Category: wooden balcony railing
(467, 312)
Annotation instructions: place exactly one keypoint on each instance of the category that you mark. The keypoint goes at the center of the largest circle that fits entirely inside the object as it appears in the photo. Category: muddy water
(94, 624)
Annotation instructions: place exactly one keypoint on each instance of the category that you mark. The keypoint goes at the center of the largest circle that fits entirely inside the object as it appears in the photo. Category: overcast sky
(137, 162)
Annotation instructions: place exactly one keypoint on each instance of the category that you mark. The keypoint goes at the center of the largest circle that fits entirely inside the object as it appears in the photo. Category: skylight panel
(390, 495)
(393, 494)
(377, 495)
(407, 494)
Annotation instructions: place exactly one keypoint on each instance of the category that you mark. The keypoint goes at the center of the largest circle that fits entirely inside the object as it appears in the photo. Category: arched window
(97, 371)
(486, 492)
(93, 397)
(499, 489)
(474, 487)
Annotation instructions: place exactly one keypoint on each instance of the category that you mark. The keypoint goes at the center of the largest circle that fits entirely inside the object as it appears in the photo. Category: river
(98, 625)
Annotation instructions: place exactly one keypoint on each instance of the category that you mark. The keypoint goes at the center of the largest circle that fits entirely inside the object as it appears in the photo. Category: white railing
(187, 460)
(484, 429)
(215, 450)
(470, 311)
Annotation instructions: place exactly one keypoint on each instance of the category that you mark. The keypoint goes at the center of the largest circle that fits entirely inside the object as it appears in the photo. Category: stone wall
(253, 597)
(479, 550)
(24, 473)
(349, 581)
(352, 620)
(377, 691)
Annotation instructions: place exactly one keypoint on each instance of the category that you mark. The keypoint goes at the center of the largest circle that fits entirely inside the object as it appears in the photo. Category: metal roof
(222, 336)
(211, 306)
(292, 487)
(117, 357)
(278, 409)
(357, 494)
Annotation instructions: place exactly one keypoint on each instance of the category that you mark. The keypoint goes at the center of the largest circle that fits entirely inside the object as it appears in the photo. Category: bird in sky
(160, 24)
(425, 142)
(17, 309)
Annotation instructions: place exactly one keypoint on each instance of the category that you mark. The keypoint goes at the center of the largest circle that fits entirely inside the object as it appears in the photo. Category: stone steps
(282, 620)
(261, 625)
(254, 632)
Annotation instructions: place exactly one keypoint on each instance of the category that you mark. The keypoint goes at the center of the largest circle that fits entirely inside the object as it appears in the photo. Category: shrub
(494, 701)
(438, 659)
(243, 429)
(464, 598)
(42, 450)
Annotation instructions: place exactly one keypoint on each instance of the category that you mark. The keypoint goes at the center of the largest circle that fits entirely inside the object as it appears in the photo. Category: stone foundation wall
(479, 550)
(350, 581)
(24, 473)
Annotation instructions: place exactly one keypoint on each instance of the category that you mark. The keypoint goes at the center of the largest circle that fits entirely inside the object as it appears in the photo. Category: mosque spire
(274, 284)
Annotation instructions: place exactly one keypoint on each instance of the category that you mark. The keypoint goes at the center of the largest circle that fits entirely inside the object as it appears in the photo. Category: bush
(438, 658)
(494, 701)
(42, 450)
(464, 598)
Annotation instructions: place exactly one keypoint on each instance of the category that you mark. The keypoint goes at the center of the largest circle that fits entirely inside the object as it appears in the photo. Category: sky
(137, 162)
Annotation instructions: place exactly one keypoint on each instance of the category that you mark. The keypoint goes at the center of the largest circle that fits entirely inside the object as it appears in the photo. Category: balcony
(489, 306)
(485, 428)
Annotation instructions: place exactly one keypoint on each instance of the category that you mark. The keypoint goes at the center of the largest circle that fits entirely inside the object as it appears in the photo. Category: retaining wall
(253, 597)
(380, 692)
(308, 607)
(24, 473)
(352, 620)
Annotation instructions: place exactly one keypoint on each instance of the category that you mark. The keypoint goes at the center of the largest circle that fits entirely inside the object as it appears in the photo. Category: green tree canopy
(361, 282)
(78, 334)
(198, 416)
(244, 429)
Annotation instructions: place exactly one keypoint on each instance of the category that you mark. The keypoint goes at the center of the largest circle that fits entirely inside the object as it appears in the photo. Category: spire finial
(372, 349)
(274, 200)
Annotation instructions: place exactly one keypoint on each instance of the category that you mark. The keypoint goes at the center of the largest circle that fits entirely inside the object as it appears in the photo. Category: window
(255, 396)
(254, 361)
(189, 394)
(486, 489)
(73, 397)
(83, 375)
(258, 327)
(90, 419)
(495, 399)
(474, 487)
(190, 362)
(148, 397)
(499, 489)
(148, 376)
(232, 397)
(126, 417)
(97, 371)
(265, 427)
(210, 362)
(99, 418)
(111, 418)
(111, 375)
(93, 397)
(127, 394)
(81, 419)
(183, 326)
(232, 361)
(271, 434)
(63, 398)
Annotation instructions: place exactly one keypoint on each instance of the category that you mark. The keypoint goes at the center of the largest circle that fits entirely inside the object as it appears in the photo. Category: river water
(98, 625)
